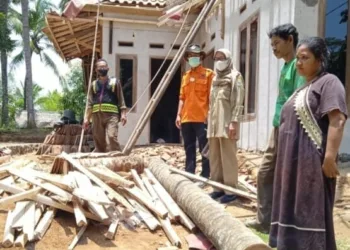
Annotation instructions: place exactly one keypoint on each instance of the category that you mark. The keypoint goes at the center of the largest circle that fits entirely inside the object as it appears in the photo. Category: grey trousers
(265, 181)
(223, 161)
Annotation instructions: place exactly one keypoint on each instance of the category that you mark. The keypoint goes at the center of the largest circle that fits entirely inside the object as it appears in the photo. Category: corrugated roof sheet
(160, 3)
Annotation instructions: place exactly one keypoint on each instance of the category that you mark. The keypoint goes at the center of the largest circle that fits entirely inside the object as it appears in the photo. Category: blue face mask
(194, 61)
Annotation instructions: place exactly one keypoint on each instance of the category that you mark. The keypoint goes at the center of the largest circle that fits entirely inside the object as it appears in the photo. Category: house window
(248, 63)
(126, 71)
(336, 35)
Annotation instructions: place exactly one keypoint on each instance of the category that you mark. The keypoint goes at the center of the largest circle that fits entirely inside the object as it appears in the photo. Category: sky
(42, 75)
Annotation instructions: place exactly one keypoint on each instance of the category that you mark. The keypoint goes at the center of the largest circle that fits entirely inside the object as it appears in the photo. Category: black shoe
(254, 224)
(227, 198)
(216, 195)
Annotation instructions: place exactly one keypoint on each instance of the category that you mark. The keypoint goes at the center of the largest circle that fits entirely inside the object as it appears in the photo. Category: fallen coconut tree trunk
(221, 228)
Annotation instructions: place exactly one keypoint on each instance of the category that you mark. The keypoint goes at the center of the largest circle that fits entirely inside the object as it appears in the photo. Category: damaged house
(135, 36)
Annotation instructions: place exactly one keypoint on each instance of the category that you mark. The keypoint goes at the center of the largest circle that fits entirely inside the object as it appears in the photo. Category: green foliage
(51, 102)
(39, 42)
(6, 43)
(74, 96)
(16, 99)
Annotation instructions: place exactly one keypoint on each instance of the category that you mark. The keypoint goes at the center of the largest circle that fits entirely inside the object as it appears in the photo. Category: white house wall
(141, 35)
(271, 13)
(211, 26)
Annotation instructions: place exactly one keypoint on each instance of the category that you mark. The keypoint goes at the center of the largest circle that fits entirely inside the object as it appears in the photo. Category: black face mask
(103, 72)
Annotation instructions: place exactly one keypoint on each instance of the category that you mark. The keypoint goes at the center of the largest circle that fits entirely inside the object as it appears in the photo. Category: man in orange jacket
(193, 108)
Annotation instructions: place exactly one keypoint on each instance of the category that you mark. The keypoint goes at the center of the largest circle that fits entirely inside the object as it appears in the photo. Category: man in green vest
(284, 39)
(106, 107)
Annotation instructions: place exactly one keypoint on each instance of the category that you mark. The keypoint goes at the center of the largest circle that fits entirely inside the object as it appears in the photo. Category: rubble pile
(174, 155)
(91, 192)
(65, 138)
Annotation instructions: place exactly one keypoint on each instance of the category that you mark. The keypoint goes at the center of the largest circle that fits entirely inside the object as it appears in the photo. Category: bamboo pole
(164, 83)
(214, 184)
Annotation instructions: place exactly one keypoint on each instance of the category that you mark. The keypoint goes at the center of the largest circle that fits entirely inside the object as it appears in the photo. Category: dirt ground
(63, 229)
(23, 135)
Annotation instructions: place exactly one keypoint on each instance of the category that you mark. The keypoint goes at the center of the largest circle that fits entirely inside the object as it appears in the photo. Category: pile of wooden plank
(96, 193)
(65, 139)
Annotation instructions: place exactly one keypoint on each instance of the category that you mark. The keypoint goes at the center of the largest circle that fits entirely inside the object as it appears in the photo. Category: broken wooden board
(9, 232)
(170, 232)
(44, 224)
(113, 195)
(108, 175)
(29, 194)
(85, 184)
(48, 186)
(150, 221)
(57, 180)
(137, 194)
(18, 214)
(49, 202)
(173, 208)
(112, 230)
(29, 221)
(77, 238)
(79, 214)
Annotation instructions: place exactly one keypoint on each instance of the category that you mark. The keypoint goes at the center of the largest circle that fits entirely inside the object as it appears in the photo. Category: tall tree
(39, 43)
(6, 45)
(28, 62)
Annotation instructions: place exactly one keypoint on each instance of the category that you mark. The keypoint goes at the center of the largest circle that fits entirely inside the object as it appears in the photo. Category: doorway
(208, 61)
(163, 127)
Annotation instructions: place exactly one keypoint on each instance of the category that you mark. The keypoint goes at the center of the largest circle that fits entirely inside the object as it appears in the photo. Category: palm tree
(28, 60)
(6, 45)
(39, 43)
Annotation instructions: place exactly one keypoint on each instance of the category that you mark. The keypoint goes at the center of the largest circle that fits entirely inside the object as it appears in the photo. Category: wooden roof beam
(88, 46)
(145, 11)
(54, 38)
(72, 32)
(77, 19)
(81, 33)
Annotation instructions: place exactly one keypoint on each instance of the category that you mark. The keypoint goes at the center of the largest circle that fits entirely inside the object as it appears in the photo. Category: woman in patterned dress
(312, 123)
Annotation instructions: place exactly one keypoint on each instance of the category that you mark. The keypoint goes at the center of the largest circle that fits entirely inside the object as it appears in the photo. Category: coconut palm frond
(17, 60)
(50, 63)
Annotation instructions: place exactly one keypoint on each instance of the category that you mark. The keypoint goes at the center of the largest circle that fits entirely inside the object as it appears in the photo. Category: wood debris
(90, 192)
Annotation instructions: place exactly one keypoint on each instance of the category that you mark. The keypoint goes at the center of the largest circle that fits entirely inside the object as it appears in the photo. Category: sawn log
(221, 228)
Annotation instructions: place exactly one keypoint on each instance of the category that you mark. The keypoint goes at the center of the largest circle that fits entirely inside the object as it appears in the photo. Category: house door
(209, 60)
(163, 118)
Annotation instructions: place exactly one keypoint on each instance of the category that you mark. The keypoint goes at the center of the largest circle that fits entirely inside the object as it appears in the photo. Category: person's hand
(178, 122)
(330, 168)
(232, 130)
(123, 119)
(86, 124)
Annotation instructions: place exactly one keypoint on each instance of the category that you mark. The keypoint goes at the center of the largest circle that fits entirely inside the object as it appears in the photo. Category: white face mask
(221, 65)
